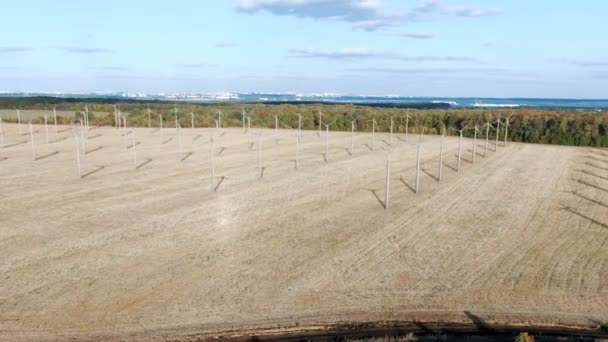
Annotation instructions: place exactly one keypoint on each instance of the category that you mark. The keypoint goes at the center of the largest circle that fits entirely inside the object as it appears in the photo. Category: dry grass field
(517, 238)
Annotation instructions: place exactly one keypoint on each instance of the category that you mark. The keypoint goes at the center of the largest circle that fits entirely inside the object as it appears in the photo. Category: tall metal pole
(77, 155)
(33, 143)
(160, 125)
(440, 176)
(418, 169)
(352, 135)
(133, 148)
(248, 133)
(46, 128)
(391, 137)
(326, 143)
(506, 130)
(497, 131)
(485, 153)
(459, 151)
(212, 165)
(407, 122)
(373, 134)
(387, 186)
(179, 141)
(260, 155)
(474, 144)
(19, 121)
(297, 150)
(320, 116)
(55, 120)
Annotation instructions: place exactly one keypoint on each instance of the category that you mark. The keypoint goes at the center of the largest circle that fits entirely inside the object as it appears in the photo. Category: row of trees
(579, 128)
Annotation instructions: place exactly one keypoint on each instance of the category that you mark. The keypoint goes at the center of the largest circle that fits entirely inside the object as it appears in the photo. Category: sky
(445, 48)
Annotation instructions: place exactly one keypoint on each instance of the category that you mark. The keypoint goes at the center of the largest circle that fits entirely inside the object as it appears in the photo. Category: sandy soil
(150, 253)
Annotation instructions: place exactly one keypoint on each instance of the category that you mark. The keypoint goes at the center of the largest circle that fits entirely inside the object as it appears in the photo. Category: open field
(519, 238)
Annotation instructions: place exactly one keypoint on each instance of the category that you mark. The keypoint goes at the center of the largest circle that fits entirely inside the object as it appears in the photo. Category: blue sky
(471, 48)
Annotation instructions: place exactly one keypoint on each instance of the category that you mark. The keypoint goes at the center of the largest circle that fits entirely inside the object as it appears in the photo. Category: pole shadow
(99, 168)
(477, 153)
(368, 147)
(450, 167)
(131, 146)
(593, 174)
(580, 181)
(597, 159)
(430, 175)
(57, 140)
(94, 150)
(479, 323)
(596, 166)
(217, 186)
(63, 130)
(219, 153)
(599, 153)
(166, 141)
(470, 161)
(95, 136)
(154, 130)
(590, 219)
(348, 151)
(28, 133)
(3, 158)
(47, 155)
(148, 160)
(15, 144)
(195, 138)
(263, 170)
(324, 157)
(590, 199)
(188, 154)
(375, 193)
(406, 184)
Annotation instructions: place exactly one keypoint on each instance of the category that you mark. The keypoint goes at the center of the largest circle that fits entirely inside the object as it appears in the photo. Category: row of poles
(121, 124)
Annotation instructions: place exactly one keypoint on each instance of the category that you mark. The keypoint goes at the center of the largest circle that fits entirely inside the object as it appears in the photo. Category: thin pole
(352, 135)
(219, 120)
(326, 143)
(55, 120)
(276, 129)
(19, 121)
(46, 128)
(133, 148)
(299, 126)
(407, 122)
(83, 141)
(33, 143)
(260, 155)
(320, 115)
(297, 150)
(485, 153)
(175, 112)
(391, 137)
(212, 165)
(506, 130)
(179, 141)
(388, 180)
(418, 169)
(474, 144)
(497, 131)
(373, 133)
(243, 115)
(124, 126)
(441, 157)
(86, 120)
(149, 118)
(78, 155)
(119, 120)
(160, 125)
(459, 151)
(248, 133)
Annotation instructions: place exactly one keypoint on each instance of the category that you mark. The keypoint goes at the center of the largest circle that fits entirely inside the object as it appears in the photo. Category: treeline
(579, 128)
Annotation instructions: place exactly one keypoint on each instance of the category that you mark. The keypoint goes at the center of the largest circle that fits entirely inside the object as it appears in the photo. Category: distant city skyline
(443, 48)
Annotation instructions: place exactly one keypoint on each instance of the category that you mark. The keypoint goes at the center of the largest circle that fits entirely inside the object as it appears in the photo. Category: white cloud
(362, 53)
(417, 35)
(369, 15)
